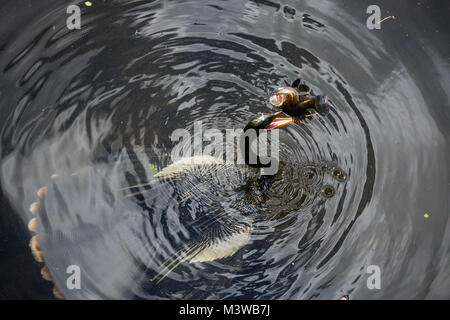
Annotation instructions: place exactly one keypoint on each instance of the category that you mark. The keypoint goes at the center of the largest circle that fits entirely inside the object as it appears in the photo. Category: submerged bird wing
(222, 234)
(218, 242)
(185, 164)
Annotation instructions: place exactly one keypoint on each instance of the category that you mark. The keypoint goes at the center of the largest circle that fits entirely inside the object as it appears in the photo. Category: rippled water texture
(354, 189)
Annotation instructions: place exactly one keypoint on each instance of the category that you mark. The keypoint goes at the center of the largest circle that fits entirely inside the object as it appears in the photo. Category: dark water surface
(103, 101)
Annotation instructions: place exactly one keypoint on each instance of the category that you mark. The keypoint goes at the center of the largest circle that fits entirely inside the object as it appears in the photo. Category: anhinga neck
(251, 158)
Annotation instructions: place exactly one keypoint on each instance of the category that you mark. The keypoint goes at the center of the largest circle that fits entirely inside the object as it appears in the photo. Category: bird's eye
(277, 99)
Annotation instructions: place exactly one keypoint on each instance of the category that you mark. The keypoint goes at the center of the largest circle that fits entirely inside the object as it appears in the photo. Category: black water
(138, 70)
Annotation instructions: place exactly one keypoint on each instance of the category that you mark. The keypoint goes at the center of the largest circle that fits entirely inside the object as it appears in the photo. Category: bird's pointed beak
(279, 122)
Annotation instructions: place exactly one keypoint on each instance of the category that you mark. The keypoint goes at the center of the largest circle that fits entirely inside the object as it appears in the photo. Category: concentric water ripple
(103, 101)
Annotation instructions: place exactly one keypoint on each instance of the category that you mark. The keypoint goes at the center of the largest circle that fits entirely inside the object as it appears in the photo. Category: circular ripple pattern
(103, 102)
